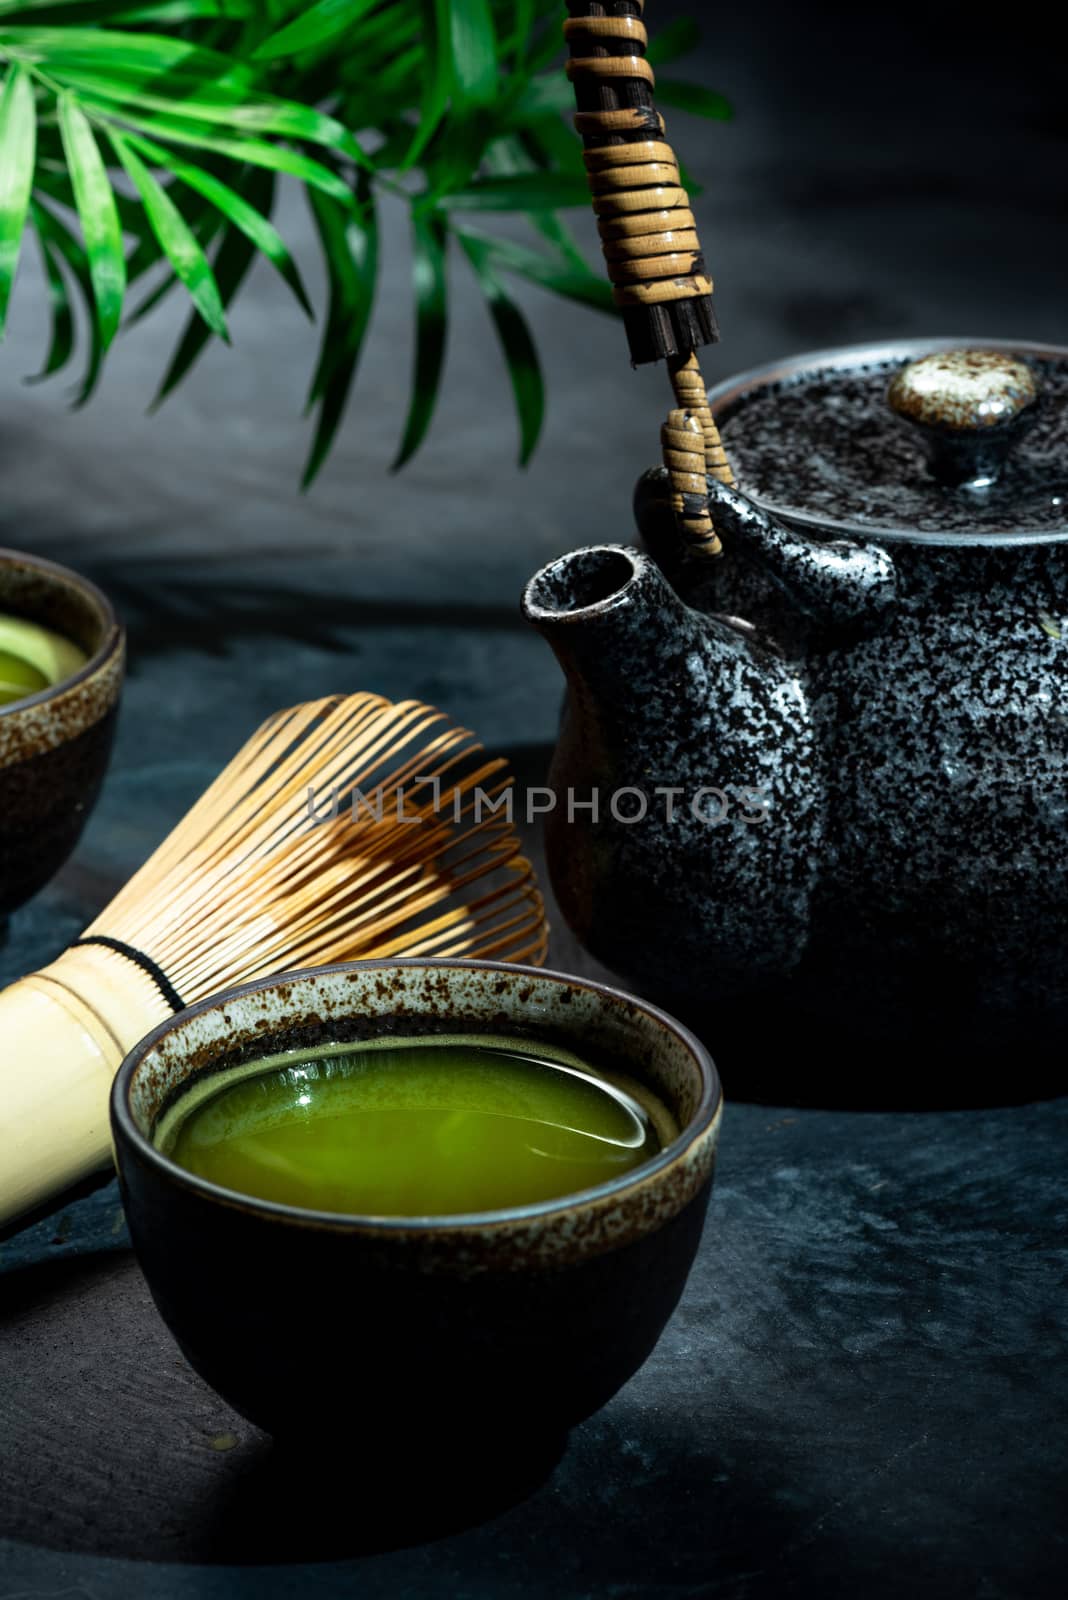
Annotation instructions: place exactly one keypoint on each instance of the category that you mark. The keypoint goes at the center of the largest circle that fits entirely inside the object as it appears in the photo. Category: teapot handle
(837, 582)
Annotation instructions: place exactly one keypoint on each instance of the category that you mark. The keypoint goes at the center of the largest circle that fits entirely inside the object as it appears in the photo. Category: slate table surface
(863, 1392)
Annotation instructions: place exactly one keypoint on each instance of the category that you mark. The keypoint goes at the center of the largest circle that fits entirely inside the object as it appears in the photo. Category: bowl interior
(376, 999)
(59, 599)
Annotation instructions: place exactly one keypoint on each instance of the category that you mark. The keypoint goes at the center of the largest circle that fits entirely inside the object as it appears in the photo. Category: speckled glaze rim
(702, 1123)
(112, 630)
(732, 392)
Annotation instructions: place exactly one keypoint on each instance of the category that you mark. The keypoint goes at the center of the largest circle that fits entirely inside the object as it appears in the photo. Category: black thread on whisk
(146, 963)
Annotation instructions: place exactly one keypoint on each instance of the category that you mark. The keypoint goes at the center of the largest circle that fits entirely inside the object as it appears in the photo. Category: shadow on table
(110, 1445)
(794, 1059)
(201, 605)
(347, 1497)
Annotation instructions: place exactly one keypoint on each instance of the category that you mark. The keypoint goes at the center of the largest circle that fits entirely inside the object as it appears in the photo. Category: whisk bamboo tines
(344, 829)
(648, 230)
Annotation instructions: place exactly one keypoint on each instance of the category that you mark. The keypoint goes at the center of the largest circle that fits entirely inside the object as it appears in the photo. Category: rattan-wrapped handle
(648, 231)
(684, 457)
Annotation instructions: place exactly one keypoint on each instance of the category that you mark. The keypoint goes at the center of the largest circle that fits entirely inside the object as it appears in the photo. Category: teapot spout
(616, 627)
(596, 589)
(686, 786)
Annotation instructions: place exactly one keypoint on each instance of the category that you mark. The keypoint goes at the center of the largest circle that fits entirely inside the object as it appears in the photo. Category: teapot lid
(947, 441)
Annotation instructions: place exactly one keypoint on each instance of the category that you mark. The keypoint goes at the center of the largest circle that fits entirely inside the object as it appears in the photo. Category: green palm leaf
(677, 39)
(695, 98)
(320, 24)
(232, 262)
(133, 55)
(350, 244)
(262, 233)
(256, 152)
(54, 235)
(18, 135)
(205, 103)
(540, 96)
(180, 10)
(558, 273)
(523, 18)
(471, 52)
(214, 104)
(98, 215)
(517, 345)
(437, 83)
(474, 52)
(510, 155)
(154, 11)
(61, 346)
(207, 226)
(524, 191)
(431, 297)
(173, 75)
(177, 240)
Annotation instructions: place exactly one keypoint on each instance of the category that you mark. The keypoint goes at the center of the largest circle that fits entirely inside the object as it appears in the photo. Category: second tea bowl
(54, 744)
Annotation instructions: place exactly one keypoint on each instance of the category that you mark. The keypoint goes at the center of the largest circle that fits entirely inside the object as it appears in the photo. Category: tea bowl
(408, 1328)
(55, 744)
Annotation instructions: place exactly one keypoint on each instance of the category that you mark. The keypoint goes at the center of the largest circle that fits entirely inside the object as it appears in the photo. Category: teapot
(830, 767)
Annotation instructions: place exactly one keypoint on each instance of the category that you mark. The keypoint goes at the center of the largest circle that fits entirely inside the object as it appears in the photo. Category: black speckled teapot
(831, 767)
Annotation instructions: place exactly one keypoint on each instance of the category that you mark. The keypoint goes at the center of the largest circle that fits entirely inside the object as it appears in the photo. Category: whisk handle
(61, 1053)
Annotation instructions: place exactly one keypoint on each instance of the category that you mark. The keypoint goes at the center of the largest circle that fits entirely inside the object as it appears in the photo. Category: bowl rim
(705, 1116)
(113, 631)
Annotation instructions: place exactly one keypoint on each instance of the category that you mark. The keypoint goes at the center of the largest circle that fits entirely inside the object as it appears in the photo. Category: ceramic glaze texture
(407, 1327)
(942, 888)
(54, 745)
(963, 389)
(904, 708)
(816, 440)
(680, 710)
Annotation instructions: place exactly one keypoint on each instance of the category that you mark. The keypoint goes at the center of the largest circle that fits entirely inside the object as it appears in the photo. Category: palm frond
(141, 141)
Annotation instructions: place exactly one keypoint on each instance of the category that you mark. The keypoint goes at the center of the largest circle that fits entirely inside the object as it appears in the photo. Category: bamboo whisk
(344, 829)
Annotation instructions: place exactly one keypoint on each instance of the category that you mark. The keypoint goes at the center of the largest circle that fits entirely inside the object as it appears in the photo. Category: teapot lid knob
(971, 406)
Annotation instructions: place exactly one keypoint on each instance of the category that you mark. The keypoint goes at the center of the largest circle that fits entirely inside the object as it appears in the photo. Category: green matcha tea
(33, 658)
(427, 1127)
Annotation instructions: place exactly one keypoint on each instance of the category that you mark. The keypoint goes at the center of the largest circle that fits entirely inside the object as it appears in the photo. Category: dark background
(863, 1391)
